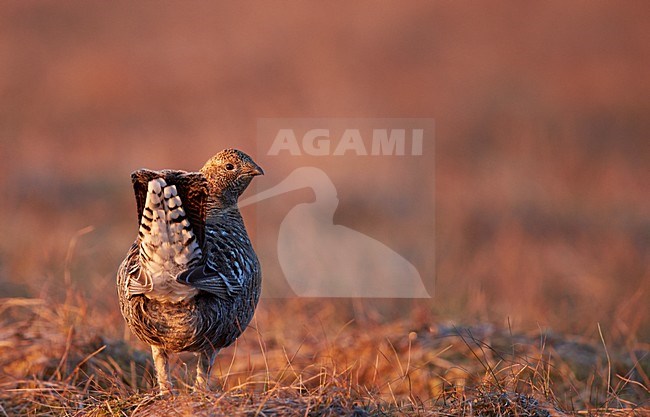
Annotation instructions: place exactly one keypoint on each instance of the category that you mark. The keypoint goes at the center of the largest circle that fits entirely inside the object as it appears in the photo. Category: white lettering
(416, 143)
(285, 140)
(384, 143)
(317, 142)
(315, 147)
(351, 141)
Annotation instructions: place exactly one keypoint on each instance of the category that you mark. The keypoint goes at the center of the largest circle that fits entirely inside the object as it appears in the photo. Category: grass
(56, 359)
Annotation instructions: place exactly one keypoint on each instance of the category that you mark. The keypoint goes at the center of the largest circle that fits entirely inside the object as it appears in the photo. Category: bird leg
(204, 367)
(162, 370)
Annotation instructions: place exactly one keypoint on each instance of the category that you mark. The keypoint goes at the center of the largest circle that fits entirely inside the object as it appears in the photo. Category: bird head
(229, 173)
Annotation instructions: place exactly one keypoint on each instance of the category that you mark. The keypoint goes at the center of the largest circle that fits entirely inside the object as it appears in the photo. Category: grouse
(191, 281)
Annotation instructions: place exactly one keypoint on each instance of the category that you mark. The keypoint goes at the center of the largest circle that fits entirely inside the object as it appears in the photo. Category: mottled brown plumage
(191, 280)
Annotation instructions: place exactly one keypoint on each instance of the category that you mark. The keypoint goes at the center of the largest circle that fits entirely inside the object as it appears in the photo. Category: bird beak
(255, 169)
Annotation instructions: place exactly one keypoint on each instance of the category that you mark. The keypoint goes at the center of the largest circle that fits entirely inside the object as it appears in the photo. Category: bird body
(191, 280)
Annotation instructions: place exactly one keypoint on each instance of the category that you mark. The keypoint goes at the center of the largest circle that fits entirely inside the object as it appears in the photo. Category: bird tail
(168, 244)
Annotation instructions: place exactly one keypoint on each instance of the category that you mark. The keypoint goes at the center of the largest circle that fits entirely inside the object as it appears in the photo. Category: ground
(59, 359)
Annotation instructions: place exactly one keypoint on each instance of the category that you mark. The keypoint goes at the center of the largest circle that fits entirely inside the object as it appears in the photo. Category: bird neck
(220, 210)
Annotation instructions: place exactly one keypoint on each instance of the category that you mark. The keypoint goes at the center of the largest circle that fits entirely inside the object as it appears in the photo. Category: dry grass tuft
(55, 361)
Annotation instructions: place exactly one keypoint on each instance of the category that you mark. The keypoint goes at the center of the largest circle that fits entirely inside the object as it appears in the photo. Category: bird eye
(230, 167)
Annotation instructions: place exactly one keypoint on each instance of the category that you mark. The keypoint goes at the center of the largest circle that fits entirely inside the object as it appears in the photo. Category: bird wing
(210, 280)
(222, 274)
(192, 188)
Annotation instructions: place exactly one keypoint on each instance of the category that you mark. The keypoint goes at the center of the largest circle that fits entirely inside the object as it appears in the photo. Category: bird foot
(200, 385)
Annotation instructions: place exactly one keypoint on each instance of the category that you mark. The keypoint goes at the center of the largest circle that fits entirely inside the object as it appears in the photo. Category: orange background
(541, 111)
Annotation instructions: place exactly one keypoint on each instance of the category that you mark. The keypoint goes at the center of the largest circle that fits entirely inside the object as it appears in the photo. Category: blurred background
(542, 215)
